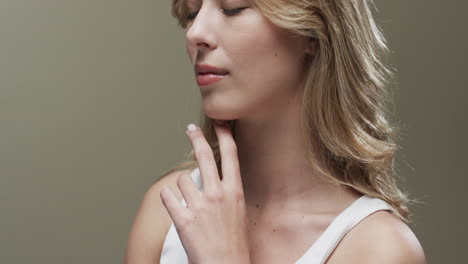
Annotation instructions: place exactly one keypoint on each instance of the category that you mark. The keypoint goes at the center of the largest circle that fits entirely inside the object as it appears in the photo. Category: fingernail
(192, 127)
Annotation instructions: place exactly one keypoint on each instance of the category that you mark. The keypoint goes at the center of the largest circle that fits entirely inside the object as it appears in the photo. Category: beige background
(95, 96)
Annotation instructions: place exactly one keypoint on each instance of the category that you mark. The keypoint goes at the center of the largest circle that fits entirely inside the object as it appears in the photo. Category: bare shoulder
(151, 223)
(379, 238)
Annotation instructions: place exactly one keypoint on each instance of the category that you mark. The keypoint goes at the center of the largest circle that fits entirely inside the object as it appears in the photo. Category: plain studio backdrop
(95, 97)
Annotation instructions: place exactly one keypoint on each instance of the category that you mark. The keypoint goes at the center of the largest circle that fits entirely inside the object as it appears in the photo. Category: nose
(201, 32)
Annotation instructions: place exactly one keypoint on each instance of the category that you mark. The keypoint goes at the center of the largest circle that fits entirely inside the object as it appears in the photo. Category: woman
(305, 155)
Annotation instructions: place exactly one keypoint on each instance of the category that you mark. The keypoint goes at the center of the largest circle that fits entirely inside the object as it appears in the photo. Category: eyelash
(229, 12)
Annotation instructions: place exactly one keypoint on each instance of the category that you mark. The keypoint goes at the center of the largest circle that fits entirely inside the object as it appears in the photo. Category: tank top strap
(173, 250)
(196, 177)
(340, 226)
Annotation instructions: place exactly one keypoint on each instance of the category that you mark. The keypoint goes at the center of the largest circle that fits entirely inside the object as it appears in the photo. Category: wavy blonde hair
(345, 92)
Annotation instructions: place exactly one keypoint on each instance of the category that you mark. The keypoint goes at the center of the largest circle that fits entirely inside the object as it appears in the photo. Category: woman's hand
(213, 226)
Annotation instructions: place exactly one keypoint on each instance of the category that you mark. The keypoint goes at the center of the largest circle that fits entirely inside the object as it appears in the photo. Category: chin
(219, 113)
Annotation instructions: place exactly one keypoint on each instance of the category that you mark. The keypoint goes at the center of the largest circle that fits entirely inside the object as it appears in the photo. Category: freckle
(255, 223)
(257, 205)
(274, 230)
(276, 54)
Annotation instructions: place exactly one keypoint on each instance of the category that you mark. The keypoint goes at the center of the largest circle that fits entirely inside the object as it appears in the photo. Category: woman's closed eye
(229, 12)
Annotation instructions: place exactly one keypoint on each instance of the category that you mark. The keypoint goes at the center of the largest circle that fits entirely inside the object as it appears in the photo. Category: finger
(188, 189)
(205, 158)
(173, 207)
(229, 158)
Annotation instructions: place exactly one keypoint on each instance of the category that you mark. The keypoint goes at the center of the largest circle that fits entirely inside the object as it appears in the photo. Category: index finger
(205, 158)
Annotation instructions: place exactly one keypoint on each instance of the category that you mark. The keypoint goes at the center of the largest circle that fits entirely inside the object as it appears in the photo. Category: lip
(208, 74)
(206, 79)
(206, 68)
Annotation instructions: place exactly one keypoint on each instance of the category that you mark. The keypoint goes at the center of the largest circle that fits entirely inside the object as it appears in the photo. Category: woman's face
(265, 63)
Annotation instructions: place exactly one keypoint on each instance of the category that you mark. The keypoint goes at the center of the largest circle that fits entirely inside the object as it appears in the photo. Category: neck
(274, 169)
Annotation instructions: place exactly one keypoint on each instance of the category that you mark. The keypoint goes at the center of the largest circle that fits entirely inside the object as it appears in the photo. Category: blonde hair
(344, 115)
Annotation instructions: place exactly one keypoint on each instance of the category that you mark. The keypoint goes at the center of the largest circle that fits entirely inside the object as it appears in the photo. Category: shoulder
(152, 197)
(152, 222)
(379, 238)
(153, 193)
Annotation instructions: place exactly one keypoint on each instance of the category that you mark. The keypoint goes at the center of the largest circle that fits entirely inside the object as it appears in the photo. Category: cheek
(267, 54)
(267, 65)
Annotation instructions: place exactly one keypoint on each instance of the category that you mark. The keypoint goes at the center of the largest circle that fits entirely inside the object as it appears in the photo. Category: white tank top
(173, 252)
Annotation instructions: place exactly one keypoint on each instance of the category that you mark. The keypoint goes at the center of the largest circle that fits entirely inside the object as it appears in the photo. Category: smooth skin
(288, 207)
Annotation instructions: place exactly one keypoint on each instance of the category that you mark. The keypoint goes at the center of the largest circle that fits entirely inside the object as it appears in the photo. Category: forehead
(195, 3)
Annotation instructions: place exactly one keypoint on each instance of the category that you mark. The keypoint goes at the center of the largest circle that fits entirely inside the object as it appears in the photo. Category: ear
(311, 47)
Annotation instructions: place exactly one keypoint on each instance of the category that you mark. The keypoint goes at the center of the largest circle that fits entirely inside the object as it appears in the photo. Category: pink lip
(205, 68)
(206, 79)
